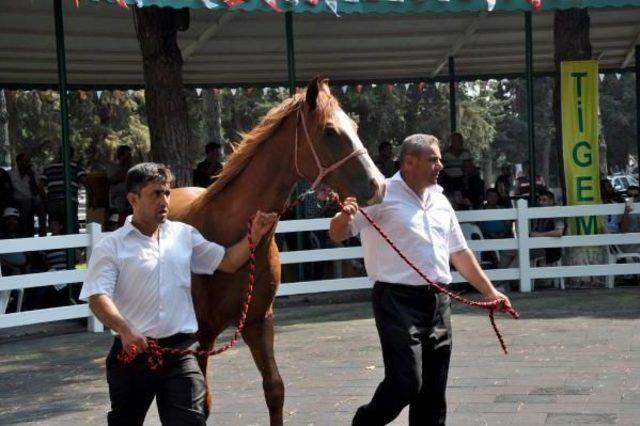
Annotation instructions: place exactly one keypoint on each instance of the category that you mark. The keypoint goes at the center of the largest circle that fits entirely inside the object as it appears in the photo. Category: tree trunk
(13, 123)
(213, 112)
(165, 103)
(572, 42)
(5, 152)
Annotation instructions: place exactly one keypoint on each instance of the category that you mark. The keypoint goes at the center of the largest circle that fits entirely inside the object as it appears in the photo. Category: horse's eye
(330, 132)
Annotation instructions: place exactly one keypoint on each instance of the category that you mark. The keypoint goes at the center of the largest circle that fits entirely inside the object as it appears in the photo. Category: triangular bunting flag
(312, 2)
(273, 4)
(491, 4)
(233, 3)
(333, 5)
(209, 4)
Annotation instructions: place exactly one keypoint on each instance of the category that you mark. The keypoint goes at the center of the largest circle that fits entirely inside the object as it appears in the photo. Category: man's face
(545, 201)
(152, 203)
(425, 166)
(214, 155)
(634, 193)
(24, 163)
(492, 198)
(11, 224)
(125, 156)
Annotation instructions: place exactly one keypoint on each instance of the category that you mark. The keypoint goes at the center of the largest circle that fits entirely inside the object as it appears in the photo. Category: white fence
(525, 273)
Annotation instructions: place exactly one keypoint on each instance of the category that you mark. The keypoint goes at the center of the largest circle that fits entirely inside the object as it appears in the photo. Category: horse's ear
(312, 93)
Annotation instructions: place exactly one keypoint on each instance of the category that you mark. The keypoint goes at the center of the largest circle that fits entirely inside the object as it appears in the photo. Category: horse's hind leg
(259, 338)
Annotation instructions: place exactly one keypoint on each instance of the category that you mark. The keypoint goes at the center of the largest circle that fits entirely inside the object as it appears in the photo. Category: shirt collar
(397, 177)
(128, 226)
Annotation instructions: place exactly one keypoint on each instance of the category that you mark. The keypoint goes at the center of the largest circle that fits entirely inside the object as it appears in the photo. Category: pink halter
(322, 171)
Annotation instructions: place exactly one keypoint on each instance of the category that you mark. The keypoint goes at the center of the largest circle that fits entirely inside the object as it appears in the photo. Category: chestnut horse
(293, 141)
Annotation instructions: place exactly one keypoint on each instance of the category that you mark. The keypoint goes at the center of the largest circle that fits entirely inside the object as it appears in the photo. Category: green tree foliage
(491, 116)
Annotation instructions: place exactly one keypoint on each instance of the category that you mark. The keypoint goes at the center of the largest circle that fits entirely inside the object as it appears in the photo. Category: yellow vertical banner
(580, 148)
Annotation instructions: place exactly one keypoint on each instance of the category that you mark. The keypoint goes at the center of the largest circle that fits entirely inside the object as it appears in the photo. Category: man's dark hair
(212, 146)
(492, 191)
(634, 187)
(546, 193)
(121, 150)
(141, 174)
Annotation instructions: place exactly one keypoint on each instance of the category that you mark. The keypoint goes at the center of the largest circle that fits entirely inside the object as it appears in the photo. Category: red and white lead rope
(155, 352)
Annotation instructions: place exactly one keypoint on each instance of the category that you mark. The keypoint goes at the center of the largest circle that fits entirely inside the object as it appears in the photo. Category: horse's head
(329, 151)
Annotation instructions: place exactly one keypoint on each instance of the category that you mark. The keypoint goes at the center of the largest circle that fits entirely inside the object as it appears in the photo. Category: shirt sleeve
(206, 256)
(456, 237)
(102, 273)
(360, 222)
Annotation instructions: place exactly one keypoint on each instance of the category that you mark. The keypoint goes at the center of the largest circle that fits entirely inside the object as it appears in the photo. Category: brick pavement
(575, 359)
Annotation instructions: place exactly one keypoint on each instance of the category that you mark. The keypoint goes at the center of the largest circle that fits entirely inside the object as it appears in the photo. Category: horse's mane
(250, 142)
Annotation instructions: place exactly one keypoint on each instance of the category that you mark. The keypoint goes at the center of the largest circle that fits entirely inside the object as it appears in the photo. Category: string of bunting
(536, 5)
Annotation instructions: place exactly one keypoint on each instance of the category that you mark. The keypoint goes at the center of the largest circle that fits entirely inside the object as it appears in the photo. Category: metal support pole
(638, 106)
(530, 115)
(291, 61)
(64, 118)
(452, 95)
(291, 72)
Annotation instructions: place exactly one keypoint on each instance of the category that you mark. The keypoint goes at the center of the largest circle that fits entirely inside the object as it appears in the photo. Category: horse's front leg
(259, 338)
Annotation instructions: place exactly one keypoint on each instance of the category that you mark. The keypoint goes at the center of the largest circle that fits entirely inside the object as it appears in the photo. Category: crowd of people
(27, 194)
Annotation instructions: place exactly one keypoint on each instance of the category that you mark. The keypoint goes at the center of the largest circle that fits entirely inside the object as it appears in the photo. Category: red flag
(215, 92)
(312, 2)
(233, 3)
(358, 88)
(536, 4)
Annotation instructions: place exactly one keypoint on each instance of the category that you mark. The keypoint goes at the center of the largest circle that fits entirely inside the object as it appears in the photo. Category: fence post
(93, 230)
(522, 226)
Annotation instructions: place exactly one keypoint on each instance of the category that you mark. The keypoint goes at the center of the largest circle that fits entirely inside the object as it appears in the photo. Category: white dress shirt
(149, 279)
(425, 230)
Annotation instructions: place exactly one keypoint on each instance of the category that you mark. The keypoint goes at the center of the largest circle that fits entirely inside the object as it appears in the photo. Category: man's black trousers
(178, 386)
(414, 325)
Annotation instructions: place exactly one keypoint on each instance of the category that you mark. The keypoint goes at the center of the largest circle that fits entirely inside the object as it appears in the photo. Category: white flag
(209, 4)
(491, 4)
(333, 5)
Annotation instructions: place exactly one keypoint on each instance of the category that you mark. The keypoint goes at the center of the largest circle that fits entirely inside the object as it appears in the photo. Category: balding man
(413, 321)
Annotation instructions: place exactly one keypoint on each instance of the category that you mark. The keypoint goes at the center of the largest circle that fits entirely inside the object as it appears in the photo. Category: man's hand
(350, 208)
(262, 223)
(496, 295)
(133, 337)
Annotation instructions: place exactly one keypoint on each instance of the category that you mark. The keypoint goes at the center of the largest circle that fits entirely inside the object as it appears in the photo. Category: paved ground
(575, 359)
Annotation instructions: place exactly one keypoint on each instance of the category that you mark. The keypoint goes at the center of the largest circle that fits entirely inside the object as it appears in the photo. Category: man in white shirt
(138, 284)
(413, 321)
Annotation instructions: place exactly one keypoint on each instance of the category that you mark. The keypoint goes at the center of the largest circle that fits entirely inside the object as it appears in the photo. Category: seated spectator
(211, 166)
(609, 196)
(6, 190)
(459, 201)
(472, 184)
(504, 185)
(10, 263)
(53, 180)
(28, 196)
(547, 227)
(628, 222)
(493, 229)
(453, 159)
(384, 161)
